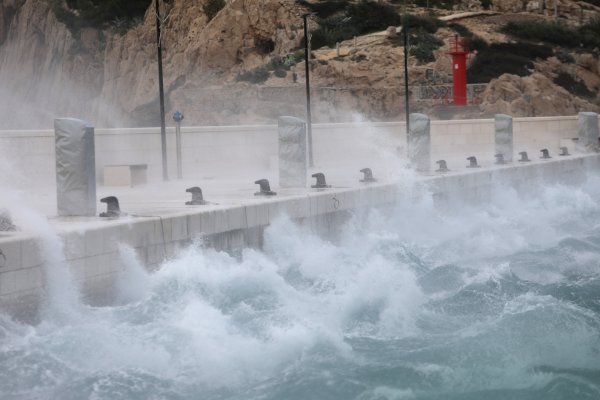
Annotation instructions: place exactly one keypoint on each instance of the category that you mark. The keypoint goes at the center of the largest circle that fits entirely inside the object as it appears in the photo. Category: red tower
(459, 48)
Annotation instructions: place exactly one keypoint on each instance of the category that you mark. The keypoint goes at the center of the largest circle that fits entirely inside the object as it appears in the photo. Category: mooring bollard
(321, 184)
(500, 159)
(367, 175)
(545, 154)
(197, 198)
(112, 207)
(472, 162)
(265, 188)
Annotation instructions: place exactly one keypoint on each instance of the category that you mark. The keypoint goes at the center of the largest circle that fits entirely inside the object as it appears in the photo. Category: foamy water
(490, 302)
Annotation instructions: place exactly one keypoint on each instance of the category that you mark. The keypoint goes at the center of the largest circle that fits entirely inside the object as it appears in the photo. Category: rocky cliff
(109, 76)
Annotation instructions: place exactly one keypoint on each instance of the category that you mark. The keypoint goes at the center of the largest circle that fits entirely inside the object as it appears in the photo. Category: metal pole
(406, 105)
(161, 95)
(308, 116)
(178, 145)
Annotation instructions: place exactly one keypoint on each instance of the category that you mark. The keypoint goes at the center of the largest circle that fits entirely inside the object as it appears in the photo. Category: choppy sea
(494, 301)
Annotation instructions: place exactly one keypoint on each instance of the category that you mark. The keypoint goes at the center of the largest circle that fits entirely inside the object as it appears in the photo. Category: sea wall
(216, 150)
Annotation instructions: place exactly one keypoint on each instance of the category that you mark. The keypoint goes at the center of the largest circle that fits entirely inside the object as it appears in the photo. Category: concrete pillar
(504, 136)
(293, 169)
(75, 167)
(587, 131)
(419, 142)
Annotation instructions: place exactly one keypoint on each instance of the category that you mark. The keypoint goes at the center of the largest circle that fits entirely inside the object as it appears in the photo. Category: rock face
(533, 95)
(110, 78)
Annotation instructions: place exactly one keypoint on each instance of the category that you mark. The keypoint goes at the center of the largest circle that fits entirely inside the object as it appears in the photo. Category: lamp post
(178, 117)
(161, 94)
(406, 105)
(308, 115)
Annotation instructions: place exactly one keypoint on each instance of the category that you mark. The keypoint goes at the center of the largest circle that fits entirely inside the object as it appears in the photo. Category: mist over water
(500, 301)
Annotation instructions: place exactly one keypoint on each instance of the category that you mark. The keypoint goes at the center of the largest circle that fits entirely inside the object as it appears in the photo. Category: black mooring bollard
(545, 154)
(472, 162)
(197, 198)
(442, 166)
(112, 207)
(524, 157)
(564, 151)
(367, 175)
(321, 184)
(265, 188)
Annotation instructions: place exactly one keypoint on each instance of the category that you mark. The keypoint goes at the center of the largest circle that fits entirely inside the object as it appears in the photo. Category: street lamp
(306, 62)
(161, 94)
(406, 105)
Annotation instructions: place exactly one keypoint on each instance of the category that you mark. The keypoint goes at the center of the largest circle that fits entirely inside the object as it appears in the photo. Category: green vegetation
(443, 4)
(257, 75)
(99, 13)
(355, 19)
(574, 86)
(278, 65)
(212, 7)
(422, 45)
(422, 42)
(506, 58)
(325, 9)
(559, 34)
(476, 43)
(564, 57)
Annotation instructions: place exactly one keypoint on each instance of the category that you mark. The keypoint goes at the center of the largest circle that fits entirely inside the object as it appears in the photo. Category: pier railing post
(587, 131)
(503, 136)
(419, 141)
(293, 168)
(75, 167)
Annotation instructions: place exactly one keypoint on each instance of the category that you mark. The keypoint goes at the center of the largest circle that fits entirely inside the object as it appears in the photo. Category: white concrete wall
(219, 151)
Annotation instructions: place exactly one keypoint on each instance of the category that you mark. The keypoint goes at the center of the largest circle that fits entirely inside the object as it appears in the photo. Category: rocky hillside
(240, 61)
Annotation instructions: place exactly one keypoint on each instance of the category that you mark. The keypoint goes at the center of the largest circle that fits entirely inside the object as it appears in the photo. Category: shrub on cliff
(574, 86)
(506, 58)
(212, 7)
(586, 36)
(357, 19)
(77, 14)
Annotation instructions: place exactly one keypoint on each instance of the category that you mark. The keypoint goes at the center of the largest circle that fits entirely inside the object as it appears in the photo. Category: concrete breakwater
(236, 219)
(91, 246)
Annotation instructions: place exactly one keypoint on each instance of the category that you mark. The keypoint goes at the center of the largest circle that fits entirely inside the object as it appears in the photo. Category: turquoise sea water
(497, 301)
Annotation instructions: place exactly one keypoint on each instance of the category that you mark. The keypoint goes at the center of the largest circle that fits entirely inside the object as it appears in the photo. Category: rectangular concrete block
(75, 167)
(587, 131)
(419, 142)
(293, 168)
(11, 257)
(125, 175)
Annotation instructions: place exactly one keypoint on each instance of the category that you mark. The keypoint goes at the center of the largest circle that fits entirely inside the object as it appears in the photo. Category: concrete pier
(158, 223)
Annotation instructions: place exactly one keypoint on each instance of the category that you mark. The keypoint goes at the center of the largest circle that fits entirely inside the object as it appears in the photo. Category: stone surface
(293, 168)
(504, 136)
(75, 167)
(533, 95)
(588, 131)
(419, 142)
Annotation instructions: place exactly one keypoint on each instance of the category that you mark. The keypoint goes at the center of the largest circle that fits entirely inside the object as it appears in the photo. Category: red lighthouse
(459, 48)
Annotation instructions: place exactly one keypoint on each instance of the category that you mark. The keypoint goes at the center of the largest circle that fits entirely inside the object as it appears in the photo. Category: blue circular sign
(178, 116)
